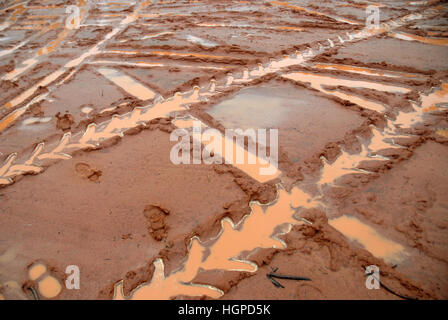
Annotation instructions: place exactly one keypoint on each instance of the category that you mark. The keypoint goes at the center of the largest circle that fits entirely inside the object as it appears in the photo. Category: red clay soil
(119, 208)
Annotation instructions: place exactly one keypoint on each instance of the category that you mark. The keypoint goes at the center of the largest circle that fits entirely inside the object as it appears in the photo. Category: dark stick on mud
(388, 289)
(272, 275)
(274, 282)
(34, 293)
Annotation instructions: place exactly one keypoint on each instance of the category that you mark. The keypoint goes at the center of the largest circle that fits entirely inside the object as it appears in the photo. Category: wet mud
(86, 178)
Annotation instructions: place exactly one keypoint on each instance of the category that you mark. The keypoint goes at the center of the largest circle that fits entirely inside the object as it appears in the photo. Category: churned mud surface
(413, 54)
(91, 108)
(409, 205)
(127, 190)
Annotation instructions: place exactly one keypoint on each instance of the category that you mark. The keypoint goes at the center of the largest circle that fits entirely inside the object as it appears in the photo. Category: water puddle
(379, 140)
(45, 7)
(318, 81)
(28, 93)
(443, 132)
(91, 138)
(115, 127)
(430, 102)
(41, 17)
(413, 37)
(365, 71)
(36, 28)
(75, 62)
(36, 271)
(289, 28)
(255, 108)
(168, 54)
(359, 101)
(438, 96)
(437, 34)
(36, 22)
(369, 238)
(200, 41)
(10, 118)
(34, 120)
(86, 110)
(315, 13)
(408, 119)
(128, 84)
(228, 149)
(126, 63)
(18, 10)
(50, 47)
(49, 287)
(346, 163)
(150, 36)
(259, 229)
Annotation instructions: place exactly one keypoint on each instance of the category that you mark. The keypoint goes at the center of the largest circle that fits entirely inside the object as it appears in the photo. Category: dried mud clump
(87, 172)
(156, 216)
(65, 122)
(36, 110)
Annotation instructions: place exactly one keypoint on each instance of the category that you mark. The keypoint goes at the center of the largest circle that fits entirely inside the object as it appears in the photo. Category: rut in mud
(86, 113)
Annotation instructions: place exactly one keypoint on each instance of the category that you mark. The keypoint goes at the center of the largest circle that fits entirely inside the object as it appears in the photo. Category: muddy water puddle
(37, 271)
(369, 239)
(259, 229)
(366, 71)
(230, 151)
(413, 37)
(318, 82)
(297, 113)
(436, 100)
(128, 84)
(415, 54)
(47, 285)
(203, 42)
(314, 13)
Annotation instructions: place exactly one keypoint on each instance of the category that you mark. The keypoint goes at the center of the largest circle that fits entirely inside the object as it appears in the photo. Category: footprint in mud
(309, 292)
(86, 171)
(156, 216)
(36, 110)
(64, 122)
(42, 282)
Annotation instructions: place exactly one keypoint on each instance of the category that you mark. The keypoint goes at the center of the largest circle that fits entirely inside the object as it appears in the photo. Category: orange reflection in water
(443, 132)
(233, 153)
(317, 82)
(365, 71)
(413, 37)
(439, 95)
(371, 240)
(128, 84)
(316, 13)
(256, 230)
(10, 118)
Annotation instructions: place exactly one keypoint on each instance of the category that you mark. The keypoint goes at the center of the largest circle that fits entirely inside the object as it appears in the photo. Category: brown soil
(86, 178)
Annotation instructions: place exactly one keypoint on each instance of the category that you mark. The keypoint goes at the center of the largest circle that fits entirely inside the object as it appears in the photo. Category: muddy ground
(88, 106)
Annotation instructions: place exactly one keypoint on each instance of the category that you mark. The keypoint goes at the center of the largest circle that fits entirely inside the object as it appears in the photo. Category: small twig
(275, 282)
(280, 276)
(34, 293)
(272, 275)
